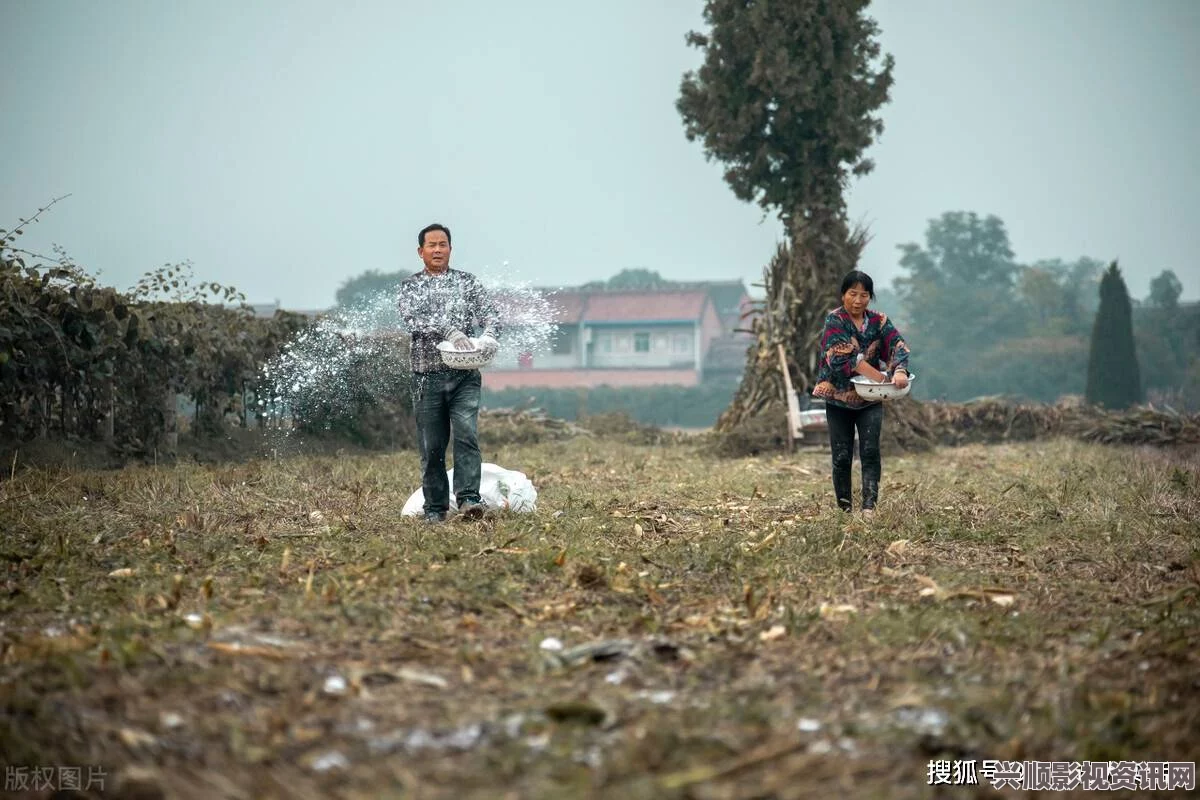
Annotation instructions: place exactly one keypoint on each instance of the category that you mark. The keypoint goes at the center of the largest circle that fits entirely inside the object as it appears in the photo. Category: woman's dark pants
(842, 422)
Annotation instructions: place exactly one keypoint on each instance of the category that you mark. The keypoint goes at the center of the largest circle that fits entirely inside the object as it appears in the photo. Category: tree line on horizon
(982, 324)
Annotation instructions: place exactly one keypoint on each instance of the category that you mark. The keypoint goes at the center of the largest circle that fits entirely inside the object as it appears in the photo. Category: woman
(857, 341)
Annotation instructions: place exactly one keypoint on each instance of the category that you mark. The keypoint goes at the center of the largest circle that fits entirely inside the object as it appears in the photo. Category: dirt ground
(666, 625)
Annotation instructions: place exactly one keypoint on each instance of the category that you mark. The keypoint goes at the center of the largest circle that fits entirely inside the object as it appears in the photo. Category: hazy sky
(284, 147)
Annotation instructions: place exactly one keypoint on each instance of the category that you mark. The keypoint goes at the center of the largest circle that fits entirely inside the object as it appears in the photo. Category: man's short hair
(430, 229)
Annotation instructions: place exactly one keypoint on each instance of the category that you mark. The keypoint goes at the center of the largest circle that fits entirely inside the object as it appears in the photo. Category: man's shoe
(472, 510)
(435, 517)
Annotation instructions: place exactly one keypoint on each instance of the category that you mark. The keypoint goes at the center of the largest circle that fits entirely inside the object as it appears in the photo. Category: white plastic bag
(498, 488)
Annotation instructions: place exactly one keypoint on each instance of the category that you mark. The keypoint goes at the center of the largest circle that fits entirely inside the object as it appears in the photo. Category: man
(442, 304)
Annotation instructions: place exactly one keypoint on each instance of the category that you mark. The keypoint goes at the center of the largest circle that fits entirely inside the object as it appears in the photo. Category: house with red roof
(633, 337)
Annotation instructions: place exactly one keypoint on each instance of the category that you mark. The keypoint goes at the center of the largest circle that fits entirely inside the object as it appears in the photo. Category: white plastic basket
(465, 359)
(870, 390)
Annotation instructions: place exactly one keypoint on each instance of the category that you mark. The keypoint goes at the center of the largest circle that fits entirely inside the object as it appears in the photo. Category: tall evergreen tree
(787, 99)
(1113, 377)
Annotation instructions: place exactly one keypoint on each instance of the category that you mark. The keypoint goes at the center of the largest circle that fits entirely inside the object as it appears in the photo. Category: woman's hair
(857, 276)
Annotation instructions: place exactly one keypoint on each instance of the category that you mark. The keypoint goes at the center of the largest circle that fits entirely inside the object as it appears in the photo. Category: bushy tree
(1113, 377)
(637, 278)
(364, 289)
(1040, 290)
(1166, 333)
(787, 99)
(964, 272)
(1165, 290)
(1075, 307)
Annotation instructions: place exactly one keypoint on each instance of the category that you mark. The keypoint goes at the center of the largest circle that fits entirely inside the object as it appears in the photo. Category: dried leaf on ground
(836, 610)
(773, 633)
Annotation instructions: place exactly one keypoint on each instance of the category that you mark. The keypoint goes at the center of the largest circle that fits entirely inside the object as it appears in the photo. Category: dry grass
(231, 630)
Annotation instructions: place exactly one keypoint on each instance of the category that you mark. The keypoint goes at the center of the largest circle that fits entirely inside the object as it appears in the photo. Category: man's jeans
(442, 401)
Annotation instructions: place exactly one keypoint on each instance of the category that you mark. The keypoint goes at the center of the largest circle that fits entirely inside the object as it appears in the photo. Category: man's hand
(900, 379)
(488, 344)
(460, 341)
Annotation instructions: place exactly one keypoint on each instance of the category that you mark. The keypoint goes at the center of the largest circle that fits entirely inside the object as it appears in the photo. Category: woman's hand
(862, 367)
(900, 379)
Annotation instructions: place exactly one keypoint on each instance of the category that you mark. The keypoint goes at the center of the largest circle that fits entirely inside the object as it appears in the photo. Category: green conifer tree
(1113, 378)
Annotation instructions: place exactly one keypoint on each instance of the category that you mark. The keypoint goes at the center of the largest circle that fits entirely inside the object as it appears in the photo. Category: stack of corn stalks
(997, 420)
(1137, 426)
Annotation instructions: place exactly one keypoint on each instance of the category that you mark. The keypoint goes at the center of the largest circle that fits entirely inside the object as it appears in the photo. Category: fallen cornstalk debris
(992, 420)
(527, 425)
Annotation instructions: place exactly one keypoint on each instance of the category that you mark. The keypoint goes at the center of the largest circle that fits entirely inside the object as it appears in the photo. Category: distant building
(680, 334)
(676, 335)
